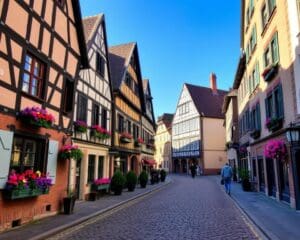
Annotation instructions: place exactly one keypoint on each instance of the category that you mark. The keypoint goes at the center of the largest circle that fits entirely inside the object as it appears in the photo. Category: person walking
(226, 174)
(193, 170)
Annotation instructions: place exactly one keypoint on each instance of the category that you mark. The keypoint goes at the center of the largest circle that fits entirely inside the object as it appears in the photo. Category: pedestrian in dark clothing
(226, 174)
(193, 170)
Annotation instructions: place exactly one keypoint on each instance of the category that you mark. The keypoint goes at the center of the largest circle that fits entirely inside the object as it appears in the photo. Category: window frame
(68, 101)
(100, 64)
(81, 111)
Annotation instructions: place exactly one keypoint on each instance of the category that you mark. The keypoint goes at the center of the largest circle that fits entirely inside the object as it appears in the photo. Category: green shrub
(163, 175)
(143, 178)
(131, 180)
(243, 173)
(117, 183)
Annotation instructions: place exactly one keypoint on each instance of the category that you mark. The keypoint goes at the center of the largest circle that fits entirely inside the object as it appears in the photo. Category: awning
(150, 162)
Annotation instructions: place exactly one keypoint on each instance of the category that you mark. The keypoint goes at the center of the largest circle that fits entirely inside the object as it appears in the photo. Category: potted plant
(154, 176)
(125, 137)
(270, 72)
(70, 152)
(80, 126)
(273, 124)
(138, 142)
(101, 184)
(100, 132)
(131, 180)
(275, 149)
(117, 183)
(143, 178)
(69, 202)
(163, 175)
(37, 117)
(26, 184)
(244, 175)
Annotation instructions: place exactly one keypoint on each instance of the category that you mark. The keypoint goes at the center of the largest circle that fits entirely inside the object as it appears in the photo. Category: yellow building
(163, 153)
(266, 103)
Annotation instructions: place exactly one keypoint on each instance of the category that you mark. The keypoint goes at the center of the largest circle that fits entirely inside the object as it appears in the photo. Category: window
(82, 108)
(100, 64)
(100, 166)
(128, 126)
(135, 131)
(33, 76)
(28, 153)
(255, 118)
(128, 81)
(95, 114)
(104, 118)
(274, 103)
(91, 169)
(267, 11)
(68, 96)
(271, 54)
(120, 123)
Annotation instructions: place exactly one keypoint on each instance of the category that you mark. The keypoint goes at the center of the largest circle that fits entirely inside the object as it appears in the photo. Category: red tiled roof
(207, 103)
(167, 119)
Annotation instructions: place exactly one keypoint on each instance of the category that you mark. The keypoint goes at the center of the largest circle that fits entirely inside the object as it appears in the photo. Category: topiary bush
(163, 175)
(117, 183)
(131, 180)
(143, 178)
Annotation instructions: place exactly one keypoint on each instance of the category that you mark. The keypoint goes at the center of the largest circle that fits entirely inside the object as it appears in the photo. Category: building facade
(129, 106)
(93, 111)
(198, 136)
(40, 58)
(163, 154)
(267, 110)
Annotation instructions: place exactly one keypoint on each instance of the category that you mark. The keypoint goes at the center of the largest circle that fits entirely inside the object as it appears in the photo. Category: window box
(37, 117)
(100, 187)
(274, 124)
(270, 72)
(138, 142)
(99, 132)
(125, 138)
(255, 133)
(23, 193)
(80, 126)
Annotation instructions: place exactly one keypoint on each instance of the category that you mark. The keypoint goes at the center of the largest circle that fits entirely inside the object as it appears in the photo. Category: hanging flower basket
(37, 117)
(125, 137)
(80, 126)
(100, 132)
(270, 72)
(26, 184)
(70, 151)
(275, 149)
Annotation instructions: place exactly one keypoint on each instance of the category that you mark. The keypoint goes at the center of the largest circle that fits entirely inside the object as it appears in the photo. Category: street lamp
(292, 135)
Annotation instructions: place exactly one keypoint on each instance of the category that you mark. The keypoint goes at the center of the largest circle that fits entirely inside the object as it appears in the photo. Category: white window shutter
(6, 139)
(52, 159)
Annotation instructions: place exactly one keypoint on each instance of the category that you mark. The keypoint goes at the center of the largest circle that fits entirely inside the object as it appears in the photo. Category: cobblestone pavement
(187, 209)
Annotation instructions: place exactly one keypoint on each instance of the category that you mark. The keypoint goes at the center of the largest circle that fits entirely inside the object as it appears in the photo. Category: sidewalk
(275, 219)
(83, 211)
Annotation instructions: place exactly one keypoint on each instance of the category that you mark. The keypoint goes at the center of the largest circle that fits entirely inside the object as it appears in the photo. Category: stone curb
(85, 218)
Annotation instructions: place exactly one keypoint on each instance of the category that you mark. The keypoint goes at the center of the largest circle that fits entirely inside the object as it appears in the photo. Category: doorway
(78, 173)
(283, 172)
(261, 174)
(296, 167)
(271, 177)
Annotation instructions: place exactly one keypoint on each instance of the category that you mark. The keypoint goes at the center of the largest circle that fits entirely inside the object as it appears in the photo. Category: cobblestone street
(187, 209)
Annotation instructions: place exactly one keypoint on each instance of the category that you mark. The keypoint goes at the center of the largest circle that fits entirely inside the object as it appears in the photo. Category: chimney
(213, 83)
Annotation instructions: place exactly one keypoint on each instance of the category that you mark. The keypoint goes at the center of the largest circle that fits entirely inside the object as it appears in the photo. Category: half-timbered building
(42, 49)
(148, 128)
(92, 118)
(198, 136)
(129, 106)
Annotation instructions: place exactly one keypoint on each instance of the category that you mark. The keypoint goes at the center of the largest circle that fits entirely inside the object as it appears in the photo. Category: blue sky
(178, 41)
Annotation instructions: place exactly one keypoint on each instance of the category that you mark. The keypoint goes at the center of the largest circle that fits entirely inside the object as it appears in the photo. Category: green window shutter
(247, 54)
(275, 48)
(257, 74)
(6, 140)
(258, 118)
(280, 102)
(254, 35)
(52, 159)
(268, 114)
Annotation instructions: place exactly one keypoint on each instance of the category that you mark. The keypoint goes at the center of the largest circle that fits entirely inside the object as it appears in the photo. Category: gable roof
(80, 35)
(207, 103)
(119, 57)
(167, 119)
(90, 25)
